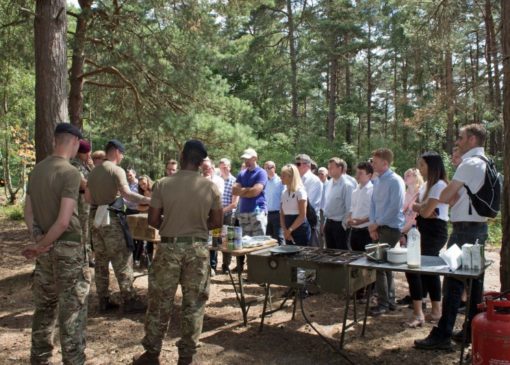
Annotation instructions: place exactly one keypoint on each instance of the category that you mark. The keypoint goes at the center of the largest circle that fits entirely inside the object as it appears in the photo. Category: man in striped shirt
(229, 202)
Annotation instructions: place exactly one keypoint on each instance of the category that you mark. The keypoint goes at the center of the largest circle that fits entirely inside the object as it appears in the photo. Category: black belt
(332, 221)
(462, 225)
(273, 212)
(388, 227)
(184, 239)
(359, 229)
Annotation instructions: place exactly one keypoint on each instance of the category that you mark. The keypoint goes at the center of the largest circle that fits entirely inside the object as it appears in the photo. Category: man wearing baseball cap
(112, 243)
(61, 279)
(249, 186)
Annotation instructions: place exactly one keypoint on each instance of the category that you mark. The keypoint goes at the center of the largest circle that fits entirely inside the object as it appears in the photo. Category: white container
(466, 256)
(413, 248)
(397, 255)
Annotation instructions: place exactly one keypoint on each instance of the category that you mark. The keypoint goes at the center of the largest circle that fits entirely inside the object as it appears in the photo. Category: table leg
(344, 323)
(268, 291)
(466, 318)
(368, 291)
(240, 295)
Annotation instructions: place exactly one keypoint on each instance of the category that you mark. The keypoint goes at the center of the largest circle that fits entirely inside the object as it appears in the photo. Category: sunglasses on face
(298, 164)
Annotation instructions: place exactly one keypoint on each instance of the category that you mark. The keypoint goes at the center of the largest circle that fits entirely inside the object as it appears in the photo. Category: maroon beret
(84, 146)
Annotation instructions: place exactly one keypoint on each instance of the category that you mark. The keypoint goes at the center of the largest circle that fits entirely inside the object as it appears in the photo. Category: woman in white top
(296, 229)
(432, 222)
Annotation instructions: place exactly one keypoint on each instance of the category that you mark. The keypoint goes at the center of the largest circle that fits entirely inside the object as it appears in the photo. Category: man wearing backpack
(469, 226)
(337, 203)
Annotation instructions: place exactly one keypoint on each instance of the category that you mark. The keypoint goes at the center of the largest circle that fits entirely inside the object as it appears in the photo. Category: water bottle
(413, 248)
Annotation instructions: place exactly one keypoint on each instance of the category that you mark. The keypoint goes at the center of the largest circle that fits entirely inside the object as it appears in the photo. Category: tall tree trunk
(333, 72)
(449, 99)
(293, 63)
(369, 85)
(405, 102)
(504, 272)
(75, 77)
(50, 27)
(348, 91)
(489, 27)
(396, 105)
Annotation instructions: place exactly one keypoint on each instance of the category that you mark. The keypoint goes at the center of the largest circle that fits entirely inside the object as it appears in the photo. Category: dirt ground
(113, 339)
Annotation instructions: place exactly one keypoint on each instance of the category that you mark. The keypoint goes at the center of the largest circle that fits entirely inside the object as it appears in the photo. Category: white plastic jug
(413, 248)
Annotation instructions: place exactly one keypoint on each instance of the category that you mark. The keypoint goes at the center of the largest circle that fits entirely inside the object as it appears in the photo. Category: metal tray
(286, 249)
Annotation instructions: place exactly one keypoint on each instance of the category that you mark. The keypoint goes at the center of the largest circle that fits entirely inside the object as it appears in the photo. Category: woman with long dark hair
(432, 222)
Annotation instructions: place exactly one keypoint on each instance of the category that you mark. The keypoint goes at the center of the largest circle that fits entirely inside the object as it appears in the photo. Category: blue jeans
(453, 288)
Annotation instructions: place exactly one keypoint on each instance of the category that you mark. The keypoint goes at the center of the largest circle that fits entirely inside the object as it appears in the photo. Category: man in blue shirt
(249, 186)
(386, 220)
(273, 192)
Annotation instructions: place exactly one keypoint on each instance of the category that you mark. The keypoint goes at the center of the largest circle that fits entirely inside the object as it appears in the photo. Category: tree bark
(50, 27)
(449, 99)
(505, 214)
(369, 85)
(348, 91)
(293, 63)
(76, 79)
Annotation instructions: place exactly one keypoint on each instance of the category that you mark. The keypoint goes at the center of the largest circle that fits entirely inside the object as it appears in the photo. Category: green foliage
(495, 232)
(12, 212)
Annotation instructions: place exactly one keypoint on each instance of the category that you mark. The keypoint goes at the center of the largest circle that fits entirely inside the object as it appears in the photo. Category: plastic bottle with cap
(413, 248)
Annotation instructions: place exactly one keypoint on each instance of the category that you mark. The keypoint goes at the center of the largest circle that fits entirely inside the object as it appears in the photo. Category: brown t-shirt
(51, 180)
(186, 199)
(105, 181)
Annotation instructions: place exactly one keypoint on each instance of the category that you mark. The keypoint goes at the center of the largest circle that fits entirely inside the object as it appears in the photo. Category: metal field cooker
(310, 268)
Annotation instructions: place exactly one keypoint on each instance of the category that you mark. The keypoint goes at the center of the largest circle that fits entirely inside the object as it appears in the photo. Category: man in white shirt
(358, 219)
(323, 177)
(313, 187)
(468, 227)
(208, 172)
(337, 203)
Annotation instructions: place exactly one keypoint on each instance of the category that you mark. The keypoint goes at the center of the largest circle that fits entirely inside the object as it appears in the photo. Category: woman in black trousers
(432, 222)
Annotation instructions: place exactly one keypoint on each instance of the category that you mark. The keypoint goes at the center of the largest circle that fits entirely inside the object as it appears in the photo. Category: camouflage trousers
(60, 288)
(177, 263)
(110, 246)
(83, 215)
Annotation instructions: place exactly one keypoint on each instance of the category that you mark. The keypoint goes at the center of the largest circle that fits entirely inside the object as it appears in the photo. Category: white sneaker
(213, 273)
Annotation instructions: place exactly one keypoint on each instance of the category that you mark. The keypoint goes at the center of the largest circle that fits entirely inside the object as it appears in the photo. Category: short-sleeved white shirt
(471, 172)
(360, 203)
(290, 200)
(434, 193)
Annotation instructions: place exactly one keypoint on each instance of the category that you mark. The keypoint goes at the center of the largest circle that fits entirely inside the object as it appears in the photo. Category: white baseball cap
(249, 153)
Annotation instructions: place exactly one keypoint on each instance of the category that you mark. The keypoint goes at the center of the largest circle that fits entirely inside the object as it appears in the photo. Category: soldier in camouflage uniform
(61, 278)
(183, 255)
(106, 182)
(83, 163)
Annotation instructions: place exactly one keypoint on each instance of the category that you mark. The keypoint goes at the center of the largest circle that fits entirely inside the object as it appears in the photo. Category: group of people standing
(304, 205)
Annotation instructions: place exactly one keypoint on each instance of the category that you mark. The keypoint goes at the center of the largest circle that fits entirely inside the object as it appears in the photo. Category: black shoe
(378, 310)
(392, 307)
(146, 358)
(405, 300)
(238, 269)
(225, 269)
(105, 305)
(92, 263)
(433, 342)
(134, 305)
(459, 337)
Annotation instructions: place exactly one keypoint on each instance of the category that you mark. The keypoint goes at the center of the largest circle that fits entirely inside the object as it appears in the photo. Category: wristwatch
(290, 229)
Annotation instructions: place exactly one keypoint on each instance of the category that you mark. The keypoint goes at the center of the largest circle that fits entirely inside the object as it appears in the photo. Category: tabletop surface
(244, 251)
(429, 265)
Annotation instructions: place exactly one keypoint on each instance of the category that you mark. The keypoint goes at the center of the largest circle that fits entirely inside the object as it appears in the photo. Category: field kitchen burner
(309, 268)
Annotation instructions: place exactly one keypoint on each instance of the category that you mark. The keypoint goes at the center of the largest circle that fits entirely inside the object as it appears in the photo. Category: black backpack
(487, 200)
(311, 214)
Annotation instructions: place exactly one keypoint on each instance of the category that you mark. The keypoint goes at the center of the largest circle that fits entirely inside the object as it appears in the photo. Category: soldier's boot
(134, 305)
(186, 360)
(105, 305)
(35, 361)
(146, 358)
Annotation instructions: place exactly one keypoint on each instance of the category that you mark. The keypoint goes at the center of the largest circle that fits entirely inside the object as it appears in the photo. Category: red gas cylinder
(490, 331)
